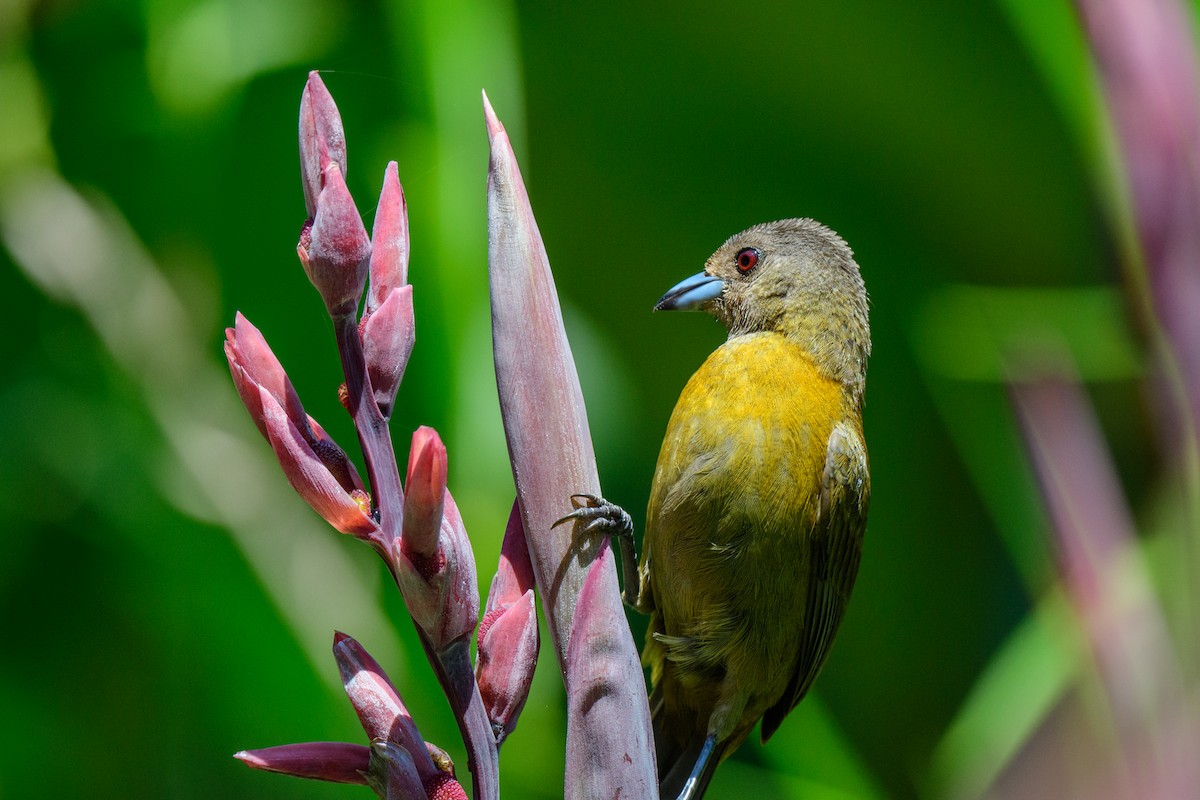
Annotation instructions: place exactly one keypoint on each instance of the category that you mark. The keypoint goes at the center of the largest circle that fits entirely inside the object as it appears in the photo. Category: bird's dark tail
(688, 778)
(684, 770)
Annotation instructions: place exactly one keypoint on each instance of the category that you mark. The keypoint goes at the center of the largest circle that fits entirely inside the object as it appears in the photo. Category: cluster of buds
(416, 527)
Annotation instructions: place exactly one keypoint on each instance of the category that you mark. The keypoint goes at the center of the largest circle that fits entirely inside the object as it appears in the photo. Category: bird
(758, 507)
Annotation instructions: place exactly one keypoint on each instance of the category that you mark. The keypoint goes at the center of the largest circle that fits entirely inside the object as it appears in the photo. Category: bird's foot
(609, 519)
(600, 515)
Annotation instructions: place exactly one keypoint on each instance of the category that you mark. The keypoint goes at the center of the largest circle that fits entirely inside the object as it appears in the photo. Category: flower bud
(425, 493)
(322, 139)
(337, 762)
(444, 787)
(440, 589)
(389, 240)
(334, 250)
(388, 334)
(378, 704)
(315, 466)
(507, 656)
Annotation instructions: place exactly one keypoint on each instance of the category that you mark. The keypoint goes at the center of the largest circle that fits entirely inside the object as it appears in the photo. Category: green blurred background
(166, 601)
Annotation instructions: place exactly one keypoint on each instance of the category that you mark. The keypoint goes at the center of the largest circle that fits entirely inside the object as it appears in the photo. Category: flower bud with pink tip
(337, 762)
(378, 704)
(508, 640)
(322, 139)
(315, 466)
(387, 328)
(334, 249)
(425, 495)
(507, 656)
(389, 240)
(433, 564)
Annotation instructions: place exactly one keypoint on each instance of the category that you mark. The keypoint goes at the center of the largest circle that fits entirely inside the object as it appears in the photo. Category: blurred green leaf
(975, 333)
(1018, 689)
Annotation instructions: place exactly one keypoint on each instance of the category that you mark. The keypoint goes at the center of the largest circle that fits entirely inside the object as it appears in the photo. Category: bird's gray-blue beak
(691, 293)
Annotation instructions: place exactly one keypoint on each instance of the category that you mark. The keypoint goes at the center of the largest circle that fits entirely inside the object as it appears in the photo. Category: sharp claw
(599, 515)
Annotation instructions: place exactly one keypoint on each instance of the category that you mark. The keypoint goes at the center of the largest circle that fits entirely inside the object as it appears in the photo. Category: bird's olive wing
(836, 545)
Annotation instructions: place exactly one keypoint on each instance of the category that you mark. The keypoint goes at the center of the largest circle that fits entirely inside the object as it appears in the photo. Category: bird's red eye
(747, 259)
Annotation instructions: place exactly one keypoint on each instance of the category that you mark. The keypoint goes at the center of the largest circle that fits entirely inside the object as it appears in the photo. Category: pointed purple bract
(611, 749)
(507, 655)
(541, 403)
(337, 762)
(393, 775)
(378, 704)
(514, 574)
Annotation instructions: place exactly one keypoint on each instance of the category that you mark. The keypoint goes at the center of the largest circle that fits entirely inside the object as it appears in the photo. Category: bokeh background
(165, 600)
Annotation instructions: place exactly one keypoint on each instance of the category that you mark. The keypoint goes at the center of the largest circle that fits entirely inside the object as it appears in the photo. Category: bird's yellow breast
(735, 498)
(752, 424)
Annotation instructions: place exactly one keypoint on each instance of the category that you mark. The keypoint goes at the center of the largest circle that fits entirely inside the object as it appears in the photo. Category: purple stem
(373, 434)
(456, 675)
(453, 664)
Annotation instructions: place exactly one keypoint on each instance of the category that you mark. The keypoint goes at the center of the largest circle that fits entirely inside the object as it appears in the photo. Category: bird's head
(795, 277)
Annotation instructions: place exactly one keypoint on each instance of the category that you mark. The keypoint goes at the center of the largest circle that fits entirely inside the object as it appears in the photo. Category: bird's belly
(732, 511)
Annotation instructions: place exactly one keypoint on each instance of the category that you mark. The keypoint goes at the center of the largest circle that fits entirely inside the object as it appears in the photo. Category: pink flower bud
(388, 334)
(349, 512)
(507, 655)
(254, 365)
(514, 575)
(315, 466)
(440, 590)
(424, 492)
(378, 704)
(322, 139)
(334, 251)
(337, 762)
(389, 240)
